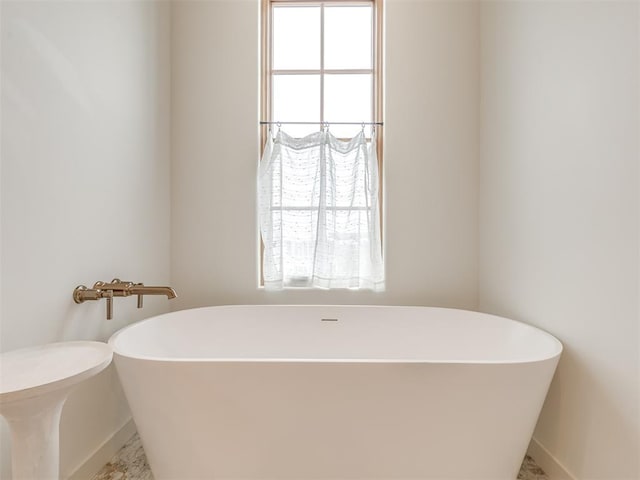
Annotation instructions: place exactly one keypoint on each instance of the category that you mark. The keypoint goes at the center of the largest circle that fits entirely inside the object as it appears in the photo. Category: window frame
(266, 72)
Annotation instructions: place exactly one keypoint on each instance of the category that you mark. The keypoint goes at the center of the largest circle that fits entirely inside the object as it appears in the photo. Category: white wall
(559, 212)
(552, 116)
(85, 183)
(431, 144)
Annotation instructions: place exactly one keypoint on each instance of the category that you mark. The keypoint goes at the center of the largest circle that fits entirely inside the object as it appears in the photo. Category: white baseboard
(550, 464)
(104, 452)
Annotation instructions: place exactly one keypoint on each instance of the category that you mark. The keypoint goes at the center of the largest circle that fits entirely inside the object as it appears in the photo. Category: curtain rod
(262, 122)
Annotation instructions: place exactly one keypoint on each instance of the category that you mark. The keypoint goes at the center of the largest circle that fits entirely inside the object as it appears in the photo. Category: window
(321, 65)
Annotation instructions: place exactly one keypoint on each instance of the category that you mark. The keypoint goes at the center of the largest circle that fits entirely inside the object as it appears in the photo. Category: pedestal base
(35, 435)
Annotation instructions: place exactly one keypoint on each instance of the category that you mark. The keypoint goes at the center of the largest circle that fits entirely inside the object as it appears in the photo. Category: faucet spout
(152, 290)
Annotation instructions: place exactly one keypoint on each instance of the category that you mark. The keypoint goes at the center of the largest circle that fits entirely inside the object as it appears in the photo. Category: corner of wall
(96, 460)
(554, 469)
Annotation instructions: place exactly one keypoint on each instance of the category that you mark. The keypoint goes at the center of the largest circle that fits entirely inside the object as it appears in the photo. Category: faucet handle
(140, 296)
(108, 294)
(81, 294)
(119, 287)
(120, 283)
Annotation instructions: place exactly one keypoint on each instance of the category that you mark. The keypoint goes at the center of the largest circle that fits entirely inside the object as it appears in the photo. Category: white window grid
(373, 71)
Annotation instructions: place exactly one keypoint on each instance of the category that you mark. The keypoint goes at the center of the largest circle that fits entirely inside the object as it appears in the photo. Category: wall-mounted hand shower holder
(119, 288)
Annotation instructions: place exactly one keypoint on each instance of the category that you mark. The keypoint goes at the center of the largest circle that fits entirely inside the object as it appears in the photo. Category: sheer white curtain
(319, 216)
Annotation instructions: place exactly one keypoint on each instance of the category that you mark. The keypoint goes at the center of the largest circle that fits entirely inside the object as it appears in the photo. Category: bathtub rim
(557, 350)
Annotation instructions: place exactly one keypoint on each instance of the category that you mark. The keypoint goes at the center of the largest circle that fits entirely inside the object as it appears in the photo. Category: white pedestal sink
(34, 384)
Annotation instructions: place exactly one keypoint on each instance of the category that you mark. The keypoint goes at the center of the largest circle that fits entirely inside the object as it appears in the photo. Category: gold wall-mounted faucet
(119, 288)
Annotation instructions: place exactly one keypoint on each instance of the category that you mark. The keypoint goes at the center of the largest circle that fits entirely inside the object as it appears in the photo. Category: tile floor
(130, 463)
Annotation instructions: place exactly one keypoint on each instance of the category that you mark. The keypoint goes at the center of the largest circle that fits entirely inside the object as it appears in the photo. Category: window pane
(296, 98)
(296, 38)
(347, 34)
(347, 98)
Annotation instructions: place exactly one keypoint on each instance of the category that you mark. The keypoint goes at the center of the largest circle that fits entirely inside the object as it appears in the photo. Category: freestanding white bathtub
(334, 392)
